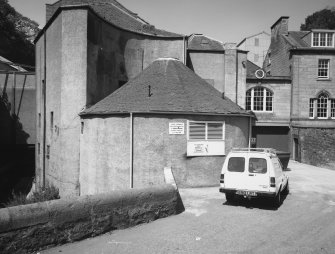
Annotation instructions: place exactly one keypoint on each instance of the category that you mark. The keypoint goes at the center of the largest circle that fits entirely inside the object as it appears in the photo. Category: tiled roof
(251, 69)
(115, 13)
(280, 50)
(295, 38)
(202, 42)
(166, 86)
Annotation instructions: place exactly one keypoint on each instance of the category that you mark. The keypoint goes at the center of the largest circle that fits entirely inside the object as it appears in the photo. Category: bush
(41, 195)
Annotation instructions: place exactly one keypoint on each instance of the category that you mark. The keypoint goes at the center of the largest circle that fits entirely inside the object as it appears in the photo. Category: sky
(226, 21)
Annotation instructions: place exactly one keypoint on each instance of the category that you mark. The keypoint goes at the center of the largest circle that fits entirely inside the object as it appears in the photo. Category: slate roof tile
(114, 12)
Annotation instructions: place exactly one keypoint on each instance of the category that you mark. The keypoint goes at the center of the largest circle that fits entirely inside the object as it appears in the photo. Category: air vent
(259, 74)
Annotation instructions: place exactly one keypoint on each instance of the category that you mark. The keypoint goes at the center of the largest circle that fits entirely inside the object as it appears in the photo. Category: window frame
(314, 107)
(206, 130)
(322, 68)
(264, 99)
(317, 43)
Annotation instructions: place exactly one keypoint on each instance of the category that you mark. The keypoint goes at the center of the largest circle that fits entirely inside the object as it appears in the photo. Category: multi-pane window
(311, 108)
(322, 107)
(332, 108)
(259, 99)
(322, 103)
(323, 68)
(206, 130)
(323, 39)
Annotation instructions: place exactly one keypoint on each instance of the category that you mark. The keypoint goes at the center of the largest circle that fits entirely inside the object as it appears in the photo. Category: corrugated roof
(167, 85)
(115, 13)
(202, 42)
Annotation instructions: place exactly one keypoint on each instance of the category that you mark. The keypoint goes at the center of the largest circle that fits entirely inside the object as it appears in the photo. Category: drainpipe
(131, 151)
(236, 87)
(44, 88)
(249, 142)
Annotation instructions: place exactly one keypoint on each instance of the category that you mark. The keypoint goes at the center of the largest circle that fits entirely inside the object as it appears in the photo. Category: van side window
(236, 164)
(257, 165)
(277, 166)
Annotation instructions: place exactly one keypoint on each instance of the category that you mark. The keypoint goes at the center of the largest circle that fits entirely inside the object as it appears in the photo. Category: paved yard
(305, 223)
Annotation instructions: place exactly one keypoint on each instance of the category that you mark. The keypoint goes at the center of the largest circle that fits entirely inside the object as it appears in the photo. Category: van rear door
(258, 176)
(235, 173)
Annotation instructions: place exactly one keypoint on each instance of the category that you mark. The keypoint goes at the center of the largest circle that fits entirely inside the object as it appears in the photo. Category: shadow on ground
(259, 203)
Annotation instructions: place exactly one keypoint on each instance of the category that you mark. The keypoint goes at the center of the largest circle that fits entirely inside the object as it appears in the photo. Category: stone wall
(29, 228)
(105, 154)
(317, 147)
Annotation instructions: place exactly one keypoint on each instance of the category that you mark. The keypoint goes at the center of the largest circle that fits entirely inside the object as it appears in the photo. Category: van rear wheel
(230, 197)
(277, 199)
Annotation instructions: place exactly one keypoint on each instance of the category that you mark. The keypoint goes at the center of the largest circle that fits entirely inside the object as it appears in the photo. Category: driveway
(304, 223)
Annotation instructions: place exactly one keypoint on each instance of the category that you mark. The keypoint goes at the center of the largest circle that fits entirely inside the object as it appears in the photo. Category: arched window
(259, 99)
(322, 107)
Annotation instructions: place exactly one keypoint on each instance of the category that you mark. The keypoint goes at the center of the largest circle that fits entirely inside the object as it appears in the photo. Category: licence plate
(246, 193)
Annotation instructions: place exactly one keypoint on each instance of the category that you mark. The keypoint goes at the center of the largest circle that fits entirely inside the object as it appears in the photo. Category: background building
(306, 59)
(257, 46)
(86, 51)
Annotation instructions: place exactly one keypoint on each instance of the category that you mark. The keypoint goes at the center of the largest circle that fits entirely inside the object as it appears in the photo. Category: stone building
(86, 51)
(293, 95)
(165, 117)
(257, 46)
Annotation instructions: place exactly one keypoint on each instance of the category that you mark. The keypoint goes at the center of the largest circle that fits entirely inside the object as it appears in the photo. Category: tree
(17, 33)
(323, 19)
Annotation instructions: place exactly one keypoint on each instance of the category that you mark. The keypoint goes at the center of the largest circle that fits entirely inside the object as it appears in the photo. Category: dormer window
(322, 39)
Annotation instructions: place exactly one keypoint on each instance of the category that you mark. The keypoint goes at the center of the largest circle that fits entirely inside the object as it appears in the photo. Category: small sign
(253, 141)
(176, 128)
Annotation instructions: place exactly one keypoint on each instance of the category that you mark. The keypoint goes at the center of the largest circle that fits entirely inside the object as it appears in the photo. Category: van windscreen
(236, 164)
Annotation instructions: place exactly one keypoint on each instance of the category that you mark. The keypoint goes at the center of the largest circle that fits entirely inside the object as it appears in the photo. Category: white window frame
(264, 100)
(313, 104)
(323, 68)
(319, 39)
(206, 147)
(206, 130)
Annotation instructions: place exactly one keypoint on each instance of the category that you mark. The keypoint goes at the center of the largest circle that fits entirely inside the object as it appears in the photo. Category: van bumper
(259, 193)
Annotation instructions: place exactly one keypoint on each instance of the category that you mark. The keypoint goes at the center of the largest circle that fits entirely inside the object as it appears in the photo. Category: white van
(253, 172)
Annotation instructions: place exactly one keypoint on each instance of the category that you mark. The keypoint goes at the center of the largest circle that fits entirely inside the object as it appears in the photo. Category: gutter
(87, 115)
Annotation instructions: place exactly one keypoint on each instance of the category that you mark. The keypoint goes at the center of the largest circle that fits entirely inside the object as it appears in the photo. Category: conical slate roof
(168, 86)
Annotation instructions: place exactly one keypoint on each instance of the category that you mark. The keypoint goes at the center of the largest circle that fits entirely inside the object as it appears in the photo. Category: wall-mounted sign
(205, 148)
(176, 128)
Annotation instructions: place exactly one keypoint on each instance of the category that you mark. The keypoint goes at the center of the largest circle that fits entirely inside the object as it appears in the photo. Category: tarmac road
(304, 223)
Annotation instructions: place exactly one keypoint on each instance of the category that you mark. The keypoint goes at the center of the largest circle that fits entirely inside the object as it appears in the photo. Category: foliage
(323, 19)
(48, 193)
(17, 33)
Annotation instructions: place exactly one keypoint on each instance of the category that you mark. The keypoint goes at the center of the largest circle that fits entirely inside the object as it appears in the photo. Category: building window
(323, 68)
(322, 107)
(323, 39)
(259, 99)
(205, 138)
(51, 120)
(39, 120)
(256, 42)
(311, 108)
(256, 57)
(38, 148)
(48, 152)
(206, 131)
